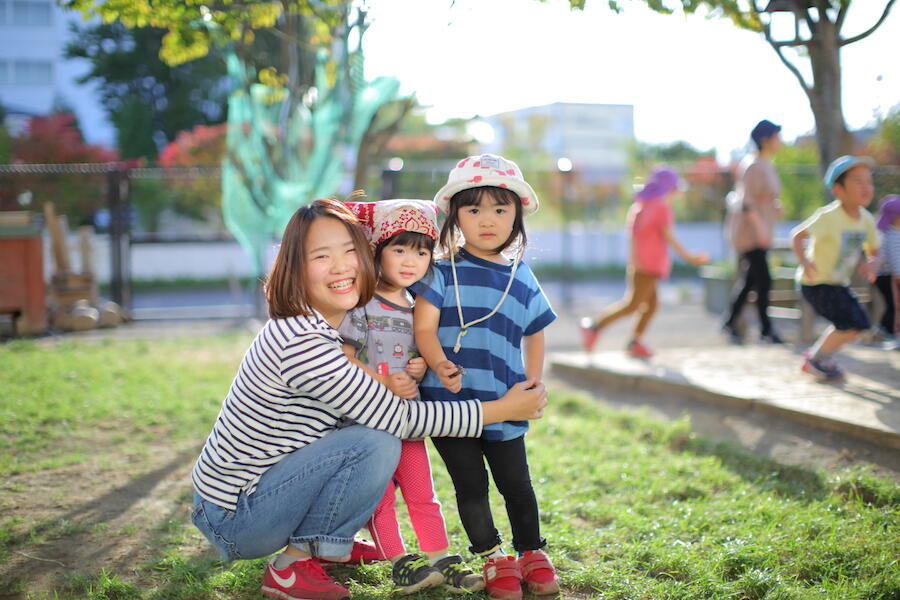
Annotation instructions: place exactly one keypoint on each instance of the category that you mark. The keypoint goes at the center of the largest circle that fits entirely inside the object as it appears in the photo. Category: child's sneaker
(638, 350)
(363, 552)
(822, 367)
(412, 573)
(589, 334)
(538, 573)
(503, 578)
(458, 578)
(303, 579)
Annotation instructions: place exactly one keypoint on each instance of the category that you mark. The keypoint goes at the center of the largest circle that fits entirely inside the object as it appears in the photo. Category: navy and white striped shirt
(491, 351)
(292, 387)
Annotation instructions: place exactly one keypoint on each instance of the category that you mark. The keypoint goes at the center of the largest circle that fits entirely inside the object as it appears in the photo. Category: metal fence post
(119, 236)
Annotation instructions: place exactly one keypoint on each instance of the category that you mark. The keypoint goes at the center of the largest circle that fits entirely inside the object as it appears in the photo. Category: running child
(838, 235)
(379, 337)
(650, 223)
(479, 324)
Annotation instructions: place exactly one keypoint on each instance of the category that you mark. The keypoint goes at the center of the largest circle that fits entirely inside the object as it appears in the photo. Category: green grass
(634, 508)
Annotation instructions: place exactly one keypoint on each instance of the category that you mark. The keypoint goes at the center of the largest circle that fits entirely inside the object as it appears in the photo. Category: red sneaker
(303, 580)
(363, 552)
(589, 334)
(502, 578)
(638, 350)
(538, 573)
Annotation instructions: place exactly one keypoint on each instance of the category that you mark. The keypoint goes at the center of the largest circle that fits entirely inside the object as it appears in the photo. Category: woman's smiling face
(331, 269)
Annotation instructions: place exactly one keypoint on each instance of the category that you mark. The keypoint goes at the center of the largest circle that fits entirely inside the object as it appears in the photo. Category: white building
(596, 137)
(35, 77)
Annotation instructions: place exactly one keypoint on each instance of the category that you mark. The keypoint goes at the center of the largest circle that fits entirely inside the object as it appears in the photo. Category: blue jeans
(315, 498)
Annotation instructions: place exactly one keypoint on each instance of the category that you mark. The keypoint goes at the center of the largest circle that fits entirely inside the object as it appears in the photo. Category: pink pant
(413, 477)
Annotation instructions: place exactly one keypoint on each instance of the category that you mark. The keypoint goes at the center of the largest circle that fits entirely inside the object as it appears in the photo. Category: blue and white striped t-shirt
(293, 386)
(491, 351)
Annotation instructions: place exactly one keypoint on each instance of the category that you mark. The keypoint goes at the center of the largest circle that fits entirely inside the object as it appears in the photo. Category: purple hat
(661, 181)
(888, 212)
(763, 131)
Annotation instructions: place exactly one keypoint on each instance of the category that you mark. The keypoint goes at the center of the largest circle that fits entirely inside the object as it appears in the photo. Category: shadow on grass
(795, 482)
(74, 539)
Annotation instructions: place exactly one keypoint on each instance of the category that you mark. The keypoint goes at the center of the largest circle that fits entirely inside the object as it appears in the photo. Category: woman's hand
(450, 375)
(525, 400)
(402, 385)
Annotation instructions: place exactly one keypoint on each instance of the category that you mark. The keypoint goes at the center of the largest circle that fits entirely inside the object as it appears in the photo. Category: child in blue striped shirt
(474, 319)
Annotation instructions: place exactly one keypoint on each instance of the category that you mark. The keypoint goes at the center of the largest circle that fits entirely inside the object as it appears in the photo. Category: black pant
(753, 275)
(464, 458)
(884, 285)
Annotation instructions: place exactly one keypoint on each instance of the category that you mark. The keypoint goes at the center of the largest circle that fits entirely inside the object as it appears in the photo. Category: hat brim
(856, 161)
(525, 192)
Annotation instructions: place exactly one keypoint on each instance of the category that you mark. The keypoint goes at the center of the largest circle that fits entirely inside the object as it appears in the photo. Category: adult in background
(751, 225)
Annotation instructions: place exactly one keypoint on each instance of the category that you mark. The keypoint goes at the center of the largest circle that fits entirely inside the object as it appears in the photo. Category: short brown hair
(285, 287)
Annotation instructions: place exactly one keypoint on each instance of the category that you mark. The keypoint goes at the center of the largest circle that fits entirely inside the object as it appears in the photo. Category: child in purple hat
(650, 222)
(888, 279)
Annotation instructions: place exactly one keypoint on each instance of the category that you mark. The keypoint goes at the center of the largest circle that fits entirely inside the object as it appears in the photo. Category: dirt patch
(108, 512)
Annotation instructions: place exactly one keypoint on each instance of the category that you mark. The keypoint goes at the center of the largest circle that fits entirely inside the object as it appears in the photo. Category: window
(3, 8)
(33, 13)
(4, 73)
(33, 72)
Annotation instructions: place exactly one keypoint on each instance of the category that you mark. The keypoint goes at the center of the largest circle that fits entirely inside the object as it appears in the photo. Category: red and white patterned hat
(386, 218)
(487, 170)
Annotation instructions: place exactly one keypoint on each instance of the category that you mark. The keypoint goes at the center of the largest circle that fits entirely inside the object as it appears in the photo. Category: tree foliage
(296, 125)
(56, 139)
(195, 195)
(148, 100)
(818, 38)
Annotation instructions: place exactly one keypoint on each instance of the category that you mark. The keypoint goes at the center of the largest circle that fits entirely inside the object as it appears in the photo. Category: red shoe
(538, 573)
(363, 552)
(589, 334)
(502, 578)
(304, 579)
(638, 350)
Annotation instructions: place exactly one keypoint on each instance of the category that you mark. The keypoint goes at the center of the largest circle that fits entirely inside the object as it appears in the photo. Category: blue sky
(689, 78)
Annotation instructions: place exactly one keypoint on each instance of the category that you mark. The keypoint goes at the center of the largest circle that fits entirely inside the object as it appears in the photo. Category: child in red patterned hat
(379, 337)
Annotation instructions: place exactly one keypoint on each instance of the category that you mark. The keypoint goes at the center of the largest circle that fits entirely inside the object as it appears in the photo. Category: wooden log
(86, 244)
(111, 314)
(78, 317)
(58, 245)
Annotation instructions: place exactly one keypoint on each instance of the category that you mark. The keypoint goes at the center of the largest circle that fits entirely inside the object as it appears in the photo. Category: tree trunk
(825, 94)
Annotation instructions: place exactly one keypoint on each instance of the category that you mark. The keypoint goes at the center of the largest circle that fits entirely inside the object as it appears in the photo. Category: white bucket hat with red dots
(487, 170)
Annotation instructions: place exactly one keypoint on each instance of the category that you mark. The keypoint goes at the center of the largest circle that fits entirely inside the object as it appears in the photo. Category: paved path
(765, 378)
(694, 359)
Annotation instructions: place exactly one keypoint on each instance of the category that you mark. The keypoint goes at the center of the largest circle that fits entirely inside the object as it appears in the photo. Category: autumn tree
(56, 139)
(818, 37)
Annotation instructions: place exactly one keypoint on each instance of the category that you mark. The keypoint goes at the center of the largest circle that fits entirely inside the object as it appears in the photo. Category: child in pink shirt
(650, 222)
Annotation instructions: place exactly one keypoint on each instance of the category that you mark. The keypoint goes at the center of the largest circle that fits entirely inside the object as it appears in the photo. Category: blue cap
(763, 131)
(841, 165)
